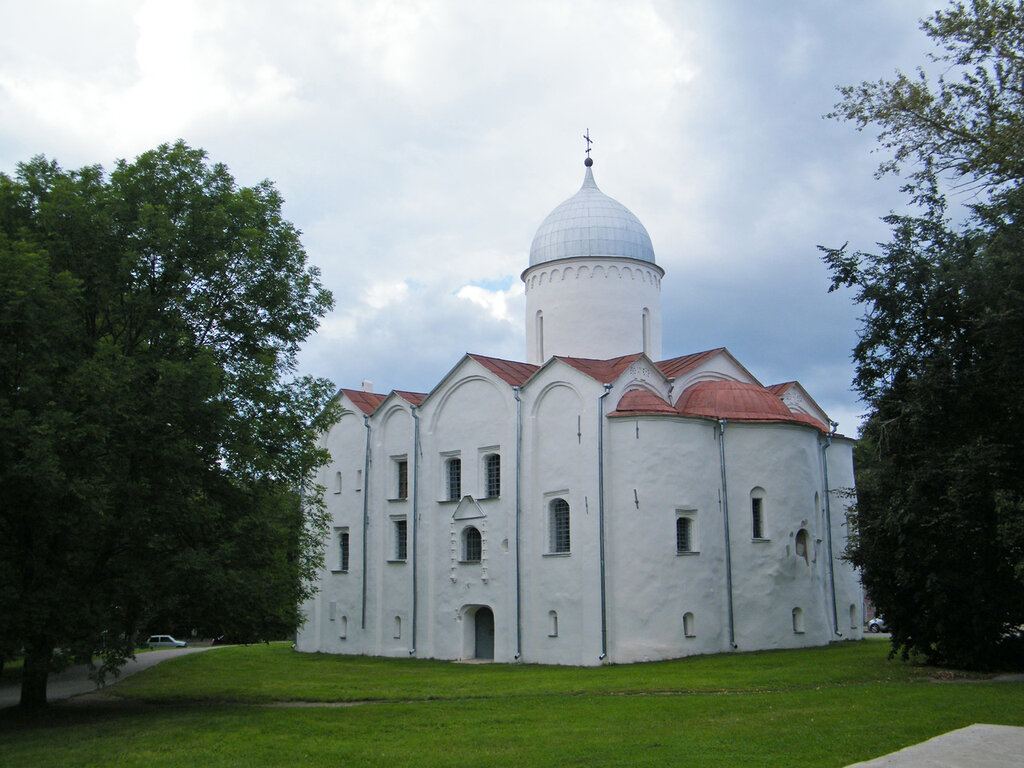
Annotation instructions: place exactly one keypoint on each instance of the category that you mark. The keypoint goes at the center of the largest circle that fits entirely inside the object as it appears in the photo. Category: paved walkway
(976, 746)
(75, 680)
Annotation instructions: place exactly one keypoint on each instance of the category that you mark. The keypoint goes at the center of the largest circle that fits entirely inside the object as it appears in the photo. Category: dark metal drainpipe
(415, 514)
(366, 512)
(728, 543)
(828, 524)
(600, 517)
(519, 455)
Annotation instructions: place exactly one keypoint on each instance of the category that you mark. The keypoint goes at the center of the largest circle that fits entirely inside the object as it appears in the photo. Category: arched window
(343, 628)
(801, 545)
(559, 526)
(688, 628)
(472, 545)
(757, 519)
(684, 535)
(540, 336)
(552, 624)
(398, 627)
(454, 479)
(798, 621)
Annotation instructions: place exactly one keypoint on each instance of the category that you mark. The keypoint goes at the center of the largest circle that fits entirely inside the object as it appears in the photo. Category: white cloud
(419, 143)
(497, 303)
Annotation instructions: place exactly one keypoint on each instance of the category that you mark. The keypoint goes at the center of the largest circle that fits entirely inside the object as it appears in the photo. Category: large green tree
(939, 523)
(155, 438)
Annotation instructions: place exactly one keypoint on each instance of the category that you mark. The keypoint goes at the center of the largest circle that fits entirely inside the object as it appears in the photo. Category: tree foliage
(154, 435)
(939, 523)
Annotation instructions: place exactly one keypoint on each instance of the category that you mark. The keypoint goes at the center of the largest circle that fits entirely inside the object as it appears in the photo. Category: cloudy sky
(419, 144)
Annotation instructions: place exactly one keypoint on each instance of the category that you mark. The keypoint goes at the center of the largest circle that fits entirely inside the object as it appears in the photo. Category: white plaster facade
(704, 511)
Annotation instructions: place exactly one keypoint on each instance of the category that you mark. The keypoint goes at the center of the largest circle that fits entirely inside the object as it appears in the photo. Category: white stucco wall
(655, 468)
(592, 307)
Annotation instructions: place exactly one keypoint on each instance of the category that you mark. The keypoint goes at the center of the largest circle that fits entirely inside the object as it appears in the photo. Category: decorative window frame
(464, 546)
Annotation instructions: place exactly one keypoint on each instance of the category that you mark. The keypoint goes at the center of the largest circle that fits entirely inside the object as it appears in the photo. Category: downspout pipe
(600, 518)
(519, 511)
(415, 516)
(728, 543)
(828, 524)
(366, 513)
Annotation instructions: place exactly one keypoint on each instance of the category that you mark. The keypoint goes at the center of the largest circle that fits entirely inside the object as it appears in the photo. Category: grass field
(269, 706)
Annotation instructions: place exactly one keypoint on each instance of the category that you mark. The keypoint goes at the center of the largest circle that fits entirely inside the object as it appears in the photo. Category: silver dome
(590, 224)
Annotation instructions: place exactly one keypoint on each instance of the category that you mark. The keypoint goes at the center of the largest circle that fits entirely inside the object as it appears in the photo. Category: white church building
(594, 504)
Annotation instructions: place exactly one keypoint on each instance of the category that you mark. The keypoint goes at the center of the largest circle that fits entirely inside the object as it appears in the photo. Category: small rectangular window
(402, 468)
(454, 479)
(684, 535)
(343, 551)
(492, 469)
(401, 540)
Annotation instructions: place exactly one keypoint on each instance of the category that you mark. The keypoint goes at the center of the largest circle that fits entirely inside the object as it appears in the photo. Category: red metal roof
(509, 371)
(641, 401)
(367, 402)
(679, 365)
(738, 401)
(780, 389)
(604, 371)
(411, 397)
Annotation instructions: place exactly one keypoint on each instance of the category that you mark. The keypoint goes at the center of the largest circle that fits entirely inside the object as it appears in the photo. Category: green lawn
(820, 707)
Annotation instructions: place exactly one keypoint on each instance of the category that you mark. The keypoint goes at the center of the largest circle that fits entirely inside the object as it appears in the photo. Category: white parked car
(877, 624)
(164, 641)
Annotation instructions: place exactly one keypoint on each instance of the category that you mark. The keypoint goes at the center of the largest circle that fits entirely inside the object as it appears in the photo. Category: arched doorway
(483, 624)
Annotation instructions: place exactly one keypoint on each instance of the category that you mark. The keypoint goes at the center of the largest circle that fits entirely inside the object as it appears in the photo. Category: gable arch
(488, 396)
(389, 419)
(553, 389)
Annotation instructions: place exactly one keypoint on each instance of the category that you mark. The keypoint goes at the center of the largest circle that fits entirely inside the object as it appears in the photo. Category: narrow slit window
(800, 545)
(343, 551)
(401, 540)
(757, 528)
(402, 470)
